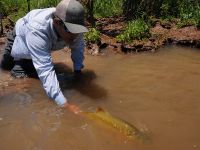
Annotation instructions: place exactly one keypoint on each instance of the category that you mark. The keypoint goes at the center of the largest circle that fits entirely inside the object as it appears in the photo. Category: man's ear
(56, 20)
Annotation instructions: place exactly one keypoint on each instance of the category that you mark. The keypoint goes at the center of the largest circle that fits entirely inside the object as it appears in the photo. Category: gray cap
(71, 12)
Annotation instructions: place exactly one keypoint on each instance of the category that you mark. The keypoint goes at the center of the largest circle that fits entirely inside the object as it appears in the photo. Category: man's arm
(77, 53)
(42, 61)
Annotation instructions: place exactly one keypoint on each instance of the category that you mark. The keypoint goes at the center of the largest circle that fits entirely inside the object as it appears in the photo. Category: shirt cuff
(60, 99)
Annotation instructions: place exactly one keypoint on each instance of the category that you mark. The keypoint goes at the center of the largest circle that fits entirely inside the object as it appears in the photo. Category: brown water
(156, 92)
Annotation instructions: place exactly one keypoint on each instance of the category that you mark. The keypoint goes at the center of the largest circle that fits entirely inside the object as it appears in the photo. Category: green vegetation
(136, 29)
(15, 9)
(92, 36)
(183, 9)
(159, 8)
(186, 22)
(107, 8)
(190, 14)
(136, 11)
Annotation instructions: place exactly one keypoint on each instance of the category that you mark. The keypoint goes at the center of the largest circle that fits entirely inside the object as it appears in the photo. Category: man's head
(71, 13)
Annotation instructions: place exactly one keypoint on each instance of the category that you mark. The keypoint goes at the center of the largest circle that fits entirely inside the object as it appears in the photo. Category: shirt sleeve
(77, 52)
(42, 61)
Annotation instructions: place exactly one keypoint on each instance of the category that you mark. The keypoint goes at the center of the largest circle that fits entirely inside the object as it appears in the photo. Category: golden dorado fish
(123, 127)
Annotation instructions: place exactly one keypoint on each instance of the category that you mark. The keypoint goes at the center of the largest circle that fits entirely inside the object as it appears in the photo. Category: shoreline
(161, 35)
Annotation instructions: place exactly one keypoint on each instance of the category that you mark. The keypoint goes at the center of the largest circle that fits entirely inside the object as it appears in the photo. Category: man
(36, 35)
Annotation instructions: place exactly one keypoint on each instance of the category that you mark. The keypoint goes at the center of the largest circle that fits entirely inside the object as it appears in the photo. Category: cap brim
(75, 28)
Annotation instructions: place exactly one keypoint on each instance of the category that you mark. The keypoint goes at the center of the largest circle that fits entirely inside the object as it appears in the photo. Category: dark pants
(7, 62)
(21, 68)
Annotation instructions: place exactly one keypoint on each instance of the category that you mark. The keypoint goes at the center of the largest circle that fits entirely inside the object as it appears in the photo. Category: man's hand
(73, 108)
(77, 73)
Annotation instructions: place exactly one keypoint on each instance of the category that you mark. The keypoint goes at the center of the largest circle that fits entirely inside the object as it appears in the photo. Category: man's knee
(24, 68)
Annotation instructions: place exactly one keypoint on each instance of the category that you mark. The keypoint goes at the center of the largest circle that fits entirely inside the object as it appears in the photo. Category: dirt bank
(161, 34)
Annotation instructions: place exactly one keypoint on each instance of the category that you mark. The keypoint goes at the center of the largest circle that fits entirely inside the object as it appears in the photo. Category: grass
(107, 8)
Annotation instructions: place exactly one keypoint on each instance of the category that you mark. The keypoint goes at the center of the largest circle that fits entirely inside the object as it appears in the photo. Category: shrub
(189, 14)
(92, 36)
(136, 29)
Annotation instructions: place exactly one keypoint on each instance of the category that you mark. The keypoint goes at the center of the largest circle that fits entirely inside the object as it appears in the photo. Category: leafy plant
(92, 36)
(189, 13)
(164, 10)
(136, 29)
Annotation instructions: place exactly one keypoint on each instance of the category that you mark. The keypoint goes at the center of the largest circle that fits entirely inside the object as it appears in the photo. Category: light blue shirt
(35, 39)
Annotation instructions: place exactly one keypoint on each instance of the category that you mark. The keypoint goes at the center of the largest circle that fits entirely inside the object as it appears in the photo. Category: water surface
(156, 92)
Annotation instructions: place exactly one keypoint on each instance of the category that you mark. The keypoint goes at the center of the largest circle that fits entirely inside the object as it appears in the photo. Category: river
(156, 92)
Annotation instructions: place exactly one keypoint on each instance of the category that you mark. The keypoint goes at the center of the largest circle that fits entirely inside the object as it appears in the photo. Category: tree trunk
(1, 22)
(29, 7)
(130, 8)
(90, 12)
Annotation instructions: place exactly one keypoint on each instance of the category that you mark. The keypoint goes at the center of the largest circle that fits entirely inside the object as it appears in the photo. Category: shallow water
(156, 92)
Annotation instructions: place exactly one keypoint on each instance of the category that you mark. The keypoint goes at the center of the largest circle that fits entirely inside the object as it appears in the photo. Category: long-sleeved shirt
(35, 39)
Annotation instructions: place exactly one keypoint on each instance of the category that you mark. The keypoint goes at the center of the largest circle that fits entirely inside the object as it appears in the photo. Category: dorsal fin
(99, 109)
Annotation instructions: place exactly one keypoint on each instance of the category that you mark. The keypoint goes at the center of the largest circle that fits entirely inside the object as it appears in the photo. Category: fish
(120, 125)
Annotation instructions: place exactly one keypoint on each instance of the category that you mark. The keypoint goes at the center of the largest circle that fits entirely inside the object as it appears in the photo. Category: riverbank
(161, 34)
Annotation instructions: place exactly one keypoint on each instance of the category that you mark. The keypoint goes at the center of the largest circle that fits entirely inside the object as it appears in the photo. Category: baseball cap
(71, 12)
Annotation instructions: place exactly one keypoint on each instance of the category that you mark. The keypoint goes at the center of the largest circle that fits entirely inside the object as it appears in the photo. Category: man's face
(67, 36)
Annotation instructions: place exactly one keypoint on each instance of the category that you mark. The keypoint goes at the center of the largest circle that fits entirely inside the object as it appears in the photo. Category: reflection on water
(158, 93)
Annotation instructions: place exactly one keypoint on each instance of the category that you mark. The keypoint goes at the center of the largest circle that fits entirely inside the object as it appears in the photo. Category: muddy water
(158, 93)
